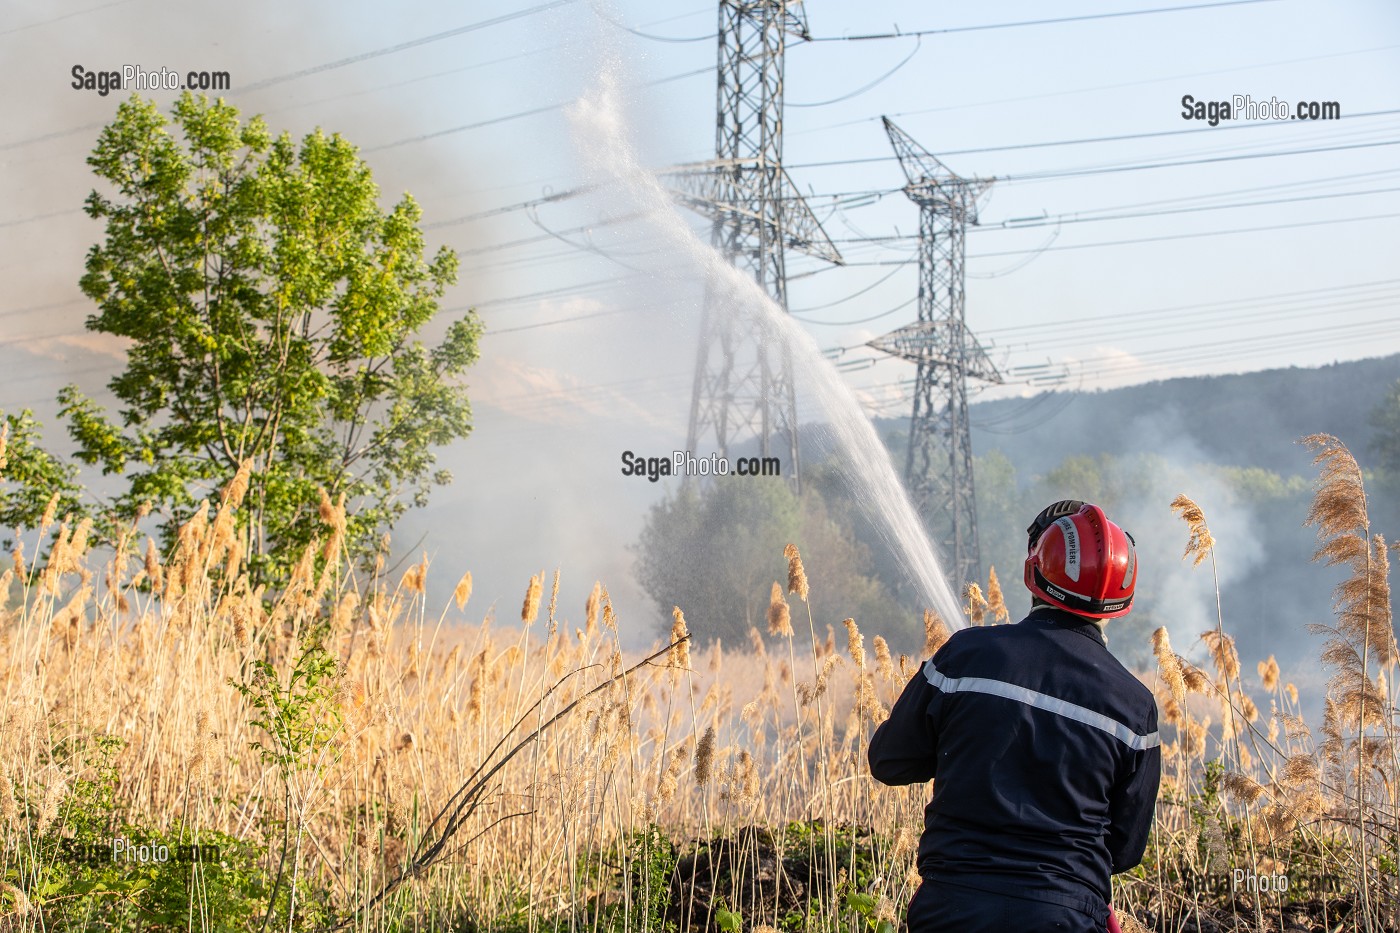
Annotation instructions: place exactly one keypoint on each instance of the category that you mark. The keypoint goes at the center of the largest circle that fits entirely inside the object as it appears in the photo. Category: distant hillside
(1228, 441)
(1243, 420)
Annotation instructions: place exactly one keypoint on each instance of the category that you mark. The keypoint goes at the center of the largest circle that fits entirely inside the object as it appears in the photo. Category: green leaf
(861, 903)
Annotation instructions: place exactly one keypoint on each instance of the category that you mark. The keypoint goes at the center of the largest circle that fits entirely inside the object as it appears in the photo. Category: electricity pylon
(743, 377)
(938, 469)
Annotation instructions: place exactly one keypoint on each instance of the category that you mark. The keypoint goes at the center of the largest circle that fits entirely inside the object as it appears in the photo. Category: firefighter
(1042, 747)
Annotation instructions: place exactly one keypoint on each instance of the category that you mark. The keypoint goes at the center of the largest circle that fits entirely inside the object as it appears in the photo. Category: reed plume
(797, 576)
(680, 640)
(50, 513)
(855, 643)
(1169, 665)
(591, 607)
(996, 600)
(779, 615)
(1268, 673)
(1223, 653)
(935, 633)
(553, 599)
(704, 756)
(1363, 634)
(1201, 543)
(462, 591)
(530, 611)
(415, 579)
(883, 663)
(1339, 500)
(609, 617)
(976, 607)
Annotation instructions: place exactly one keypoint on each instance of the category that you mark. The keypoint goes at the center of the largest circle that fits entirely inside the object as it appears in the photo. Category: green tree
(1385, 418)
(273, 311)
(1385, 491)
(717, 553)
(30, 477)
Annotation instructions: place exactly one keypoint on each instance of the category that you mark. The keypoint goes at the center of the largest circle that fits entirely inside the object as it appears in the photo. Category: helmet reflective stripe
(1132, 566)
(1060, 590)
(1071, 547)
(1076, 602)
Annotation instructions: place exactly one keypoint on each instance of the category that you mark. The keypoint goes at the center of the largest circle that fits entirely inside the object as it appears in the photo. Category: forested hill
(1230, 442)
(1249, 420)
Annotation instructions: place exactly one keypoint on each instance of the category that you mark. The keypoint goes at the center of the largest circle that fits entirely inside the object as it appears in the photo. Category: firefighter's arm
(1131, 806)
(904, 749)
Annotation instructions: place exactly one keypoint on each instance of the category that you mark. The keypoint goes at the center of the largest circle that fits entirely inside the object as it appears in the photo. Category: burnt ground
(765, 879)
(772, 877)
(1315, 916)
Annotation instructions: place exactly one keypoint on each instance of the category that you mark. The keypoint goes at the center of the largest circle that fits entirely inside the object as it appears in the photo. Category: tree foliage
(273, 313)
(717, 551)
(31, 478)
(1385, 418)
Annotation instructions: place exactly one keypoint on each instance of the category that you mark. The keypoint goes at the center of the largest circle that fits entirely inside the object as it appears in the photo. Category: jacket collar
(1059, 618)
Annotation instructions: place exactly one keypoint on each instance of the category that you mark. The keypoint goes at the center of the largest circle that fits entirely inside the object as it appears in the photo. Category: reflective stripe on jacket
(1045, 758)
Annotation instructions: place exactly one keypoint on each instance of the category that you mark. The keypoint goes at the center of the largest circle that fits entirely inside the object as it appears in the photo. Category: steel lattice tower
(938, 470)
(743, 384)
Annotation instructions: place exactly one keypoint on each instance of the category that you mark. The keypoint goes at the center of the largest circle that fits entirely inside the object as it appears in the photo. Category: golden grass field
(357, 759)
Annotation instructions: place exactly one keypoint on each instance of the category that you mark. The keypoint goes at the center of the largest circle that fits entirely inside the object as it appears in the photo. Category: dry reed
(419, 710)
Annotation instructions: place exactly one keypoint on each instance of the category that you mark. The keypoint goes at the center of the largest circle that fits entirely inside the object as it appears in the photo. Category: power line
(1209, 352)
(1053, 220)
(851, 196)
(566, 320)
(1190, 236)
(46, 22)
(1229, 305)
(1128, 242)
(1204, 160)
(548, 108)
(511, 208)
(1178, 312)
(404, 46)
(38, 217)
(864, 87)
(866, 320)
(1100, 87)
(598, 10)
(328, 66)
(1153, 329)
(881, 192)
(898, 34)
(872, 239)
(878, 282)
(1088, 140)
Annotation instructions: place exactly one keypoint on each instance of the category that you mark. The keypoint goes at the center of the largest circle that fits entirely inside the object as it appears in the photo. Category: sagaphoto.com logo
(1244, 107)
(135, 78)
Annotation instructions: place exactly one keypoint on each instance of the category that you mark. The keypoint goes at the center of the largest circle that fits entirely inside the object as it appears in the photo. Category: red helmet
(1080, 561)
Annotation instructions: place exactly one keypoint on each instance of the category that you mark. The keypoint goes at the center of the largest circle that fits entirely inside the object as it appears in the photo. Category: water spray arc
(938, 469)
(744, 386)
(611, 158)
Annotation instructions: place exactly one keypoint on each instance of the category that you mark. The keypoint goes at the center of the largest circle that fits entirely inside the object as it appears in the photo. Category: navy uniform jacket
(1046, 758)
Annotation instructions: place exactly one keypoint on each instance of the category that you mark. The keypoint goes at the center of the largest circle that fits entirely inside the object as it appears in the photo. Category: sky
(1117, 243)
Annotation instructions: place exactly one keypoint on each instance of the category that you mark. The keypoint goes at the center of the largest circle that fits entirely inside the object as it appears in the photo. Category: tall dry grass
(389, 765)
(336, 778)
